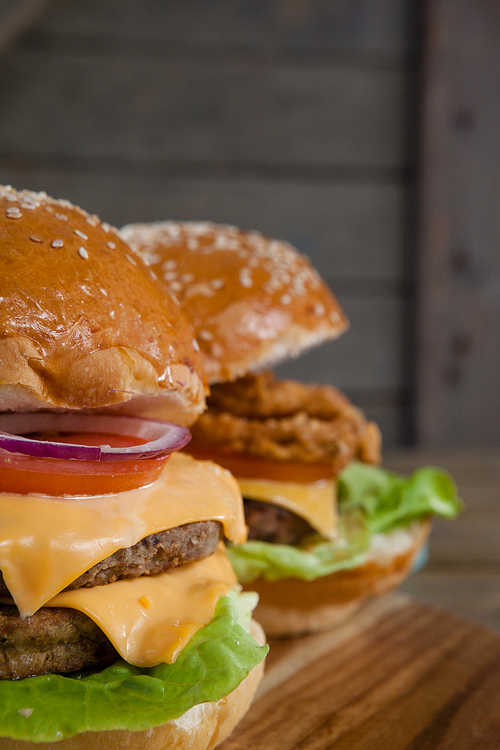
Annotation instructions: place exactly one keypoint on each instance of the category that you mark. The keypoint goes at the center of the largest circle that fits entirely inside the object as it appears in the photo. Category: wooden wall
(459, 279)
(287, 116)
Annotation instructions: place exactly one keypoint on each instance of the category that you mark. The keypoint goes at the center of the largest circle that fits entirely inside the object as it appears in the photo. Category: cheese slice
(150, 619)
(316, 502)
(46, 543)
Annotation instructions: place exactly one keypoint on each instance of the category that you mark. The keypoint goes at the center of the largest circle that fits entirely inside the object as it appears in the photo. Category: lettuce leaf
(316, 558)
(217, 658)
(371, 501)
(390, 501)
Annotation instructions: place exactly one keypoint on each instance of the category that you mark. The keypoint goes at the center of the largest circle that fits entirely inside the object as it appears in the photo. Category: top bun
(83, 325)
(253, 301)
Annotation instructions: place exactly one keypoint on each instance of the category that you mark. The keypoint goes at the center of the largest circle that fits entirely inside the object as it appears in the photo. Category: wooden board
(399, 676)
(469, 590)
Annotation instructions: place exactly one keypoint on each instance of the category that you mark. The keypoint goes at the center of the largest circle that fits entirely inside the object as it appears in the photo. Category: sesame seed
(315, 282)
(169, 265)
(61, 217)
(218, 283)
(187, 278)
(111, 245)
(170, 276)
(196, 345)
(152, 274)
(34, 238)
(198, 227)
(204, 289)
(175, 286)
(83, 253)
(245, 278)
(10, 197)
(81, 235)
(105, 227)
(57, 243)
(285, 299)
(13, 212)
(216, 350)
(192, 244)
(173, 230)
(334, 316)
(223, 242)
(319, 310)
(205, 335)
(131, 260)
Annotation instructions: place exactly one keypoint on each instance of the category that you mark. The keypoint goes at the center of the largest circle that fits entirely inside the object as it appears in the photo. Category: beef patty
(153, 554)
(270, 523)
(52, 640)
(57, 639)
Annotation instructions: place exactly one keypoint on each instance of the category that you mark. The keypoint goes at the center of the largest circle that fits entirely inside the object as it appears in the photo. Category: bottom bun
(202, 727)
(293, 607)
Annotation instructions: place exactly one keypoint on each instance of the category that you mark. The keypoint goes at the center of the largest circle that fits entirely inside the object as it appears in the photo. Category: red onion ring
(161, 437)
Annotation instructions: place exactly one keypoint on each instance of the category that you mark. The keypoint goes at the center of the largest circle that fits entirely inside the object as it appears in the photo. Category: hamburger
(121, 621)
(327, 526)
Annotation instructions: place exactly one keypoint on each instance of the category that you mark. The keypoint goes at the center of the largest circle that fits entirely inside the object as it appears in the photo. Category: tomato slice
(56, 477)
(251, 467)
